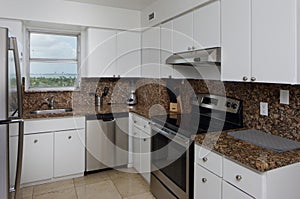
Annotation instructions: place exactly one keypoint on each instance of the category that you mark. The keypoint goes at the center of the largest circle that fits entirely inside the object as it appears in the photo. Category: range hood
(196, 58)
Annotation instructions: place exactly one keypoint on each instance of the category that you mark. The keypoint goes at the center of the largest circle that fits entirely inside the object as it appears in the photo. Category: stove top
(204, 117)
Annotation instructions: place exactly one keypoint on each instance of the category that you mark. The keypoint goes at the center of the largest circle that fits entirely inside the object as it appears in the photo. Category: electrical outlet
(264, 109)
(284, 97)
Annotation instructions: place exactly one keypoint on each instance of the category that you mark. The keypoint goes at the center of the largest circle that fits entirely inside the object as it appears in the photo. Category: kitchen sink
(51, 111)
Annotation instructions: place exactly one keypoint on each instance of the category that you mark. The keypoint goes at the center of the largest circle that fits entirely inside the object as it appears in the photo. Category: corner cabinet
(258, 43)
(53, 149)
(232, 180)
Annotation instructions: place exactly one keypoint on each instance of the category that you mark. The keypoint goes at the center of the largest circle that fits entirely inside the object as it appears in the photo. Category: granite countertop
(250, 155)
(93, 110)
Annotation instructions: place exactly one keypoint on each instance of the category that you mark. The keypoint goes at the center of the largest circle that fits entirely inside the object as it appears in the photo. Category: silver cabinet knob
(204, 159)
(189, 48)
(253, 79)
(145, 139)
(70, 137)
(238, 177)
(245, 78)
(193, 48)
(35, 141)
(204, 180)
(134, 121)
(145, 126)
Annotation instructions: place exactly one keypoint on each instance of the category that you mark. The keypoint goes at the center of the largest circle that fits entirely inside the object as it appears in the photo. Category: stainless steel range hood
(196, 58)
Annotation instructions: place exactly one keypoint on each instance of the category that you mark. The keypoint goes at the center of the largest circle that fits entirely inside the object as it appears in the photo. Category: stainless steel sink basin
(51, 111)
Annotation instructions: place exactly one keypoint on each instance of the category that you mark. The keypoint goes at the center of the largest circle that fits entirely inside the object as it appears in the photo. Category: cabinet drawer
(141, 123)
(209, 160)
(53, 124)
(247, 180)
(231, 192)
(207, 184)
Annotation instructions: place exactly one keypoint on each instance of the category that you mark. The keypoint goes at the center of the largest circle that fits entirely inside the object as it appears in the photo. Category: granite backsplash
(283, 120)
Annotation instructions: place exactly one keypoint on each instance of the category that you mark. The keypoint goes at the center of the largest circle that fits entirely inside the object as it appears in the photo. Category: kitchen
(107, 84)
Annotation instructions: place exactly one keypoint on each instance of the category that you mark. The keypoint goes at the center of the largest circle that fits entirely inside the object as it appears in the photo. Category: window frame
(29, 59)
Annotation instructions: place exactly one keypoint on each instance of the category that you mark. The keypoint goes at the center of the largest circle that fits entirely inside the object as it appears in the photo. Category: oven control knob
(234, 106)
(228, 104)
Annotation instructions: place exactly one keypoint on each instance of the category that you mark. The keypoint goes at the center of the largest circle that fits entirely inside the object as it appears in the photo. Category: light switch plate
(264, 109)
(285, 97)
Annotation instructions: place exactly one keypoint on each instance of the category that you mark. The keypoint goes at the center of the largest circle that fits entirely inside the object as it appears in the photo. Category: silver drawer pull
(204, 159)
(134, 121)
(35, 141)
(145, 139)
(238, 177)
(204, 180)
(70, 137)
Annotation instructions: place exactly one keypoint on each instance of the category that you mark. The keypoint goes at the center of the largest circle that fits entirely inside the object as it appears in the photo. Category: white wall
(72, 13)
(166, 9)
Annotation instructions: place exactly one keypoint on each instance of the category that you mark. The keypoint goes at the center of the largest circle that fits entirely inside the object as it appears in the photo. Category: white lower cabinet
(141, 146)
(68, 152)
(37, 157)
(207, 184)
(145, 156)
(218, 177)
(55, 153)
(136, 149)
(231, 192)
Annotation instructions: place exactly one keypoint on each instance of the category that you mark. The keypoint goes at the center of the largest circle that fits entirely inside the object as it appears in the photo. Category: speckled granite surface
(249, 155)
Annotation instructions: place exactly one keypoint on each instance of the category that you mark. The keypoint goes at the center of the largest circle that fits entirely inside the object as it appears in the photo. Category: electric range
(172, 150)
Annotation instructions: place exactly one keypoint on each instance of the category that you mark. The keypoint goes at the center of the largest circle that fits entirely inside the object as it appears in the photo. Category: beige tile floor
(112, 184)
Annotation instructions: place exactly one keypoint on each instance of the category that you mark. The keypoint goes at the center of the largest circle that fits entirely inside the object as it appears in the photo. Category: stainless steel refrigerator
(10, 115)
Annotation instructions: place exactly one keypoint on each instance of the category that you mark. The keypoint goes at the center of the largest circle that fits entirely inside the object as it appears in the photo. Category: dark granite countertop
(249, 155)
(93, 110)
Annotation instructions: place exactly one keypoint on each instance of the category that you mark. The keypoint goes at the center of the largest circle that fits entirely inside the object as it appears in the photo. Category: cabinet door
(274, 33)
(69, 152)
(236, 40)
(166, 49)
(129, 54)
(136, 149)
(146, 155)
(151, 53)
(231, 192)
(183, 33)
(38, 157)
(100, 60)
(206, 184)
(207, 26)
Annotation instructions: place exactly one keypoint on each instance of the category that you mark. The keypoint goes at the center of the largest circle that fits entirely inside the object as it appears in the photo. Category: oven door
(170, 161)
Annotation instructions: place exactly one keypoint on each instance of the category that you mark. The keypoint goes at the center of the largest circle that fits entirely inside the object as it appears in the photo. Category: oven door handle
(185, 142)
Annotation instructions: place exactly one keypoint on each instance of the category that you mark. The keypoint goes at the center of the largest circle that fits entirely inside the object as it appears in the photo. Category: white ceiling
(128, 4)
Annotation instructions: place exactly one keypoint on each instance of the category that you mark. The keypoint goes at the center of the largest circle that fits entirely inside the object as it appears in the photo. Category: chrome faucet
(49, 101)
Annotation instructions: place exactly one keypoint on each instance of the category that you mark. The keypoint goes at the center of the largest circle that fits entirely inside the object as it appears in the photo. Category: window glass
(53, 61)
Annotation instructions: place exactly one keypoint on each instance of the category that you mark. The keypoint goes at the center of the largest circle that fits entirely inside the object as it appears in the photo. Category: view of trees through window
(53, 60)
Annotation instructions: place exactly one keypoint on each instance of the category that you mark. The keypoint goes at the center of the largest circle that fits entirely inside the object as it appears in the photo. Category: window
(53, 61)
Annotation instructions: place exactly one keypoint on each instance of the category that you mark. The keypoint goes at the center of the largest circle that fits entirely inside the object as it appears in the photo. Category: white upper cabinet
(207, 26)
(199, 29)
(260, 41)
(151, 53)
(183, 33)
(166, 49)
(236, 40)
(129, 54)
(274, 40)
(101, 53)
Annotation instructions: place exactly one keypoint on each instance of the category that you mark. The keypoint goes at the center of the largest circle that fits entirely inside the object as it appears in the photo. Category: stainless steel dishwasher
(106, 141)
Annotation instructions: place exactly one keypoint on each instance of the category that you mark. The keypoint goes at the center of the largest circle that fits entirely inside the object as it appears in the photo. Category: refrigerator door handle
(14, 47)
